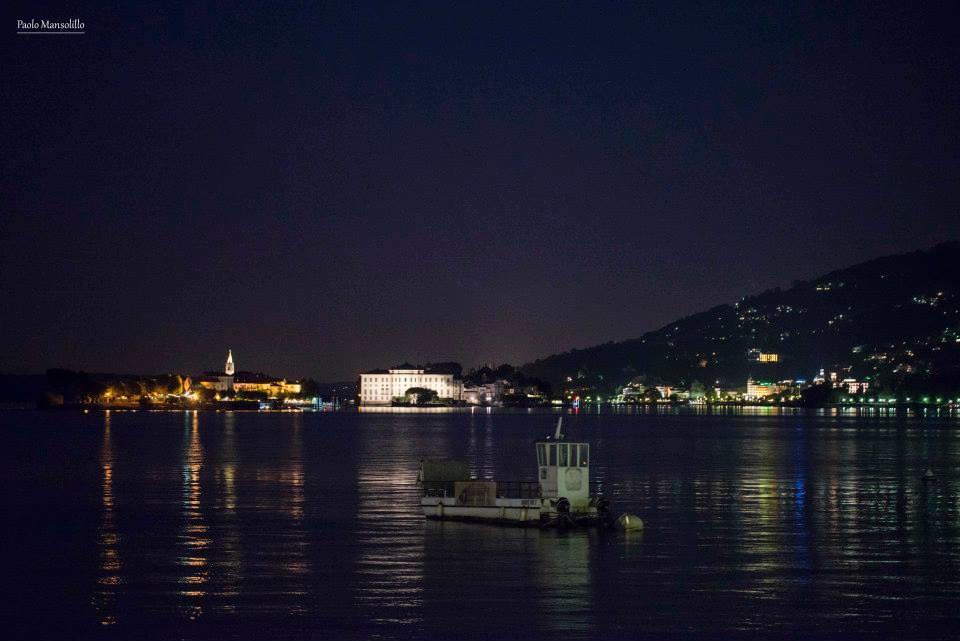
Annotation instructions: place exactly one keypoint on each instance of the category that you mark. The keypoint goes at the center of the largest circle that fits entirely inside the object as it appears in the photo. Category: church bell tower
(228, 368)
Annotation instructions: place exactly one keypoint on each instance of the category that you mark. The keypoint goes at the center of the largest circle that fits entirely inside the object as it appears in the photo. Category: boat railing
(505, 489)
(518, 489)
(438, 489)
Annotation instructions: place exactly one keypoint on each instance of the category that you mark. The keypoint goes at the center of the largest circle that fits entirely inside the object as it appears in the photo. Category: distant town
(882, 333)
(504, 386)
(226, 388)
(446, 385)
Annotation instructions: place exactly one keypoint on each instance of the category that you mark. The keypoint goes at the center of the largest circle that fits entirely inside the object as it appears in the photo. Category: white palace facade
(380, 387)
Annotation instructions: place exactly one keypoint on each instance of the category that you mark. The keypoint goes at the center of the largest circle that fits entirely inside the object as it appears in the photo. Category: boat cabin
(564, 471)
(559, 498)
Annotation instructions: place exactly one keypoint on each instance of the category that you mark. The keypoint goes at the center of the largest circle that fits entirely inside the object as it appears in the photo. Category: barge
(559, 498)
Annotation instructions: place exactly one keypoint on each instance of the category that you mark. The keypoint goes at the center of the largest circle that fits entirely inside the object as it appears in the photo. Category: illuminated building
(854, 386)
(761, 389)
(757, 356)
(247, 382)
(485, 394)
(832, 378)
(232, 381)
(220, 381)
(632, 393)
(380, 387)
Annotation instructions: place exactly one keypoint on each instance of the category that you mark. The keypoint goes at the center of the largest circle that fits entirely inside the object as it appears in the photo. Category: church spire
(228, 368)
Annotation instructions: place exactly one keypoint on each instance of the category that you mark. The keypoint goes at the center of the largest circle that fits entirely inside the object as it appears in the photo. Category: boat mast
(558, 435)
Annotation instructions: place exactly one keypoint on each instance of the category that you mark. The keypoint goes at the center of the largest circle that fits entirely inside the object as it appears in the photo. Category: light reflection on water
(389, 536)
(564, 583)
(480, 450)
(104, 600)
(210, 525)
(295, 555)
(230, 566)
(194, 539)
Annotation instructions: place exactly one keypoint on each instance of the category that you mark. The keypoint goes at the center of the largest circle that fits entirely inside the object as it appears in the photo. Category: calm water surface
(242, 525)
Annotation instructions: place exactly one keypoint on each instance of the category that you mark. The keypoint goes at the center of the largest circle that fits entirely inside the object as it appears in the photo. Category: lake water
(243, 525)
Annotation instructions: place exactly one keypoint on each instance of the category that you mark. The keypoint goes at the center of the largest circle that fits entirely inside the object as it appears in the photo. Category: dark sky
(330, 188)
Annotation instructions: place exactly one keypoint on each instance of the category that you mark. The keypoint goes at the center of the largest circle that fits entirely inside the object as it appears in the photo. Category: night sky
(330, 188)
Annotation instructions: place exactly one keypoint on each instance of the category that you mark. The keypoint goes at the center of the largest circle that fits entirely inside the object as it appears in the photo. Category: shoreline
(951, 409)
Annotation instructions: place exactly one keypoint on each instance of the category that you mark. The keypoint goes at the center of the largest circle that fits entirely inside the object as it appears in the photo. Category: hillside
(895, 319)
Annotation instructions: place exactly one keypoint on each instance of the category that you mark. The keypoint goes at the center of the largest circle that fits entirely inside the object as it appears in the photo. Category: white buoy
(629, 522)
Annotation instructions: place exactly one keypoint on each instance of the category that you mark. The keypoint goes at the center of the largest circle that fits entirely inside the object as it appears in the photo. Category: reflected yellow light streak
(108, 540)
(194, 532)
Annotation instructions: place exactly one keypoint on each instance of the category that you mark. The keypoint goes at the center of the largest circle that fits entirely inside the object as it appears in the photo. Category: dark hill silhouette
(895, 319)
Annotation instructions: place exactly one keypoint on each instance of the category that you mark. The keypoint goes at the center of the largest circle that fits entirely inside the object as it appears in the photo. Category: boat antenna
(558, 435)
